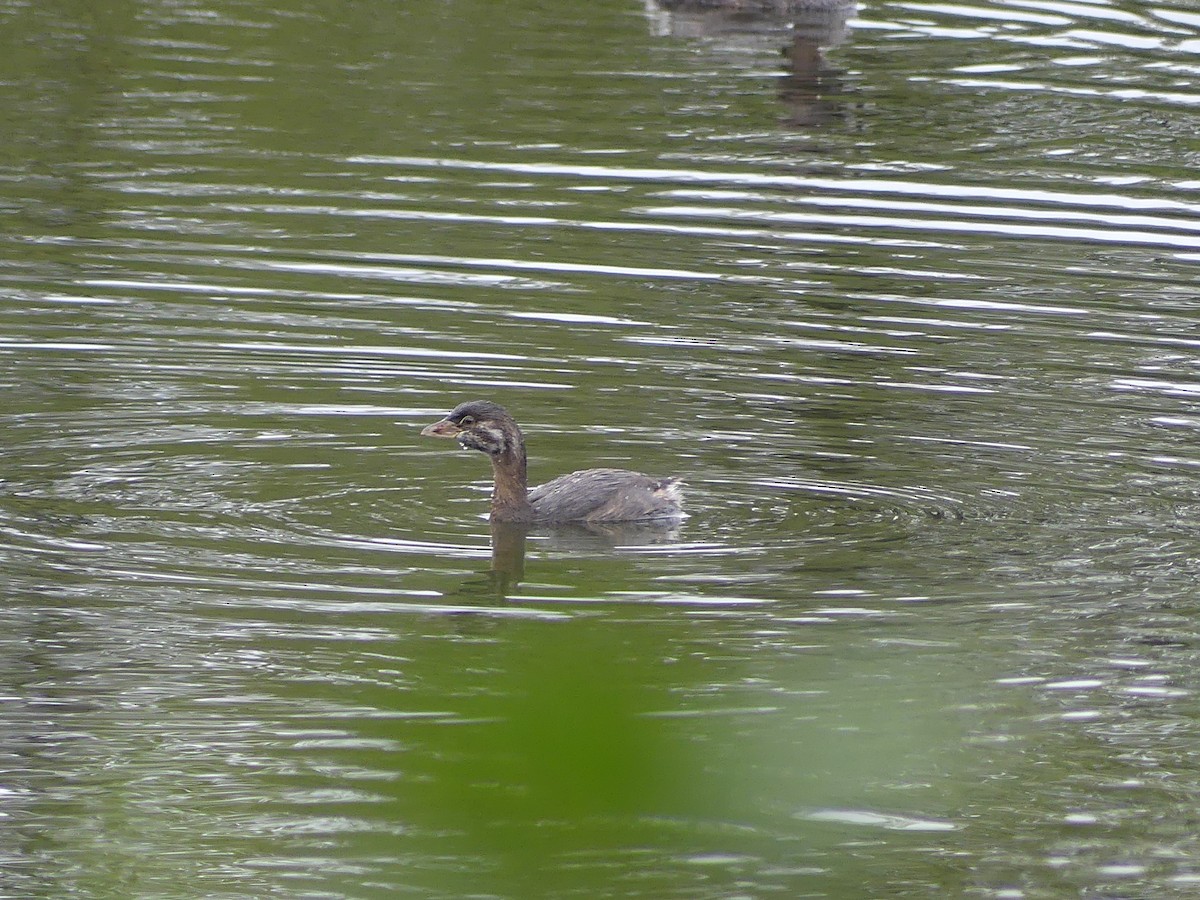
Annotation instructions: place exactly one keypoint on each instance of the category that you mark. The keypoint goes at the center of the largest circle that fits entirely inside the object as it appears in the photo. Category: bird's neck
(510, 500)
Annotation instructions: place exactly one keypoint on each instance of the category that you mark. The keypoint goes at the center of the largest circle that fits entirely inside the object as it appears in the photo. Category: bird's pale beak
(442, 429)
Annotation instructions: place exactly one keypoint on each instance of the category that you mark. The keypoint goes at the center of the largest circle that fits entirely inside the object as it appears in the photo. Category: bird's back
(606, 495)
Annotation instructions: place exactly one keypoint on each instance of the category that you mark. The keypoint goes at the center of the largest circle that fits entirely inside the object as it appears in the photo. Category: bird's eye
(466, 421)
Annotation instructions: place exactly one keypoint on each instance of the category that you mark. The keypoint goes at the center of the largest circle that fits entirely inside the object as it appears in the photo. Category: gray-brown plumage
(592, 495)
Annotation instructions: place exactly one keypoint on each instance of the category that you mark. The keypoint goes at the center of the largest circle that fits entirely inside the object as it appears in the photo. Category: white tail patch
(669, 489)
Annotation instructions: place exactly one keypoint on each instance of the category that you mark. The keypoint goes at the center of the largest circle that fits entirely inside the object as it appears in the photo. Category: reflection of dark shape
(592, 495)
(606, 536)
(508, 556)
(508, 544)
(804, 26)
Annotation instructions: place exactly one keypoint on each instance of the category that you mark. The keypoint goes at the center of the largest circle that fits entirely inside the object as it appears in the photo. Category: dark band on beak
(442, 429)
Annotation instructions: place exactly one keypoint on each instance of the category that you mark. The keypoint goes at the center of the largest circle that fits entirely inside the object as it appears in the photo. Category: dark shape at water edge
(802, 29)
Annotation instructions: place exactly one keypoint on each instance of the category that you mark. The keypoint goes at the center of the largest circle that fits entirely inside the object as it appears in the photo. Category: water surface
(910, 307)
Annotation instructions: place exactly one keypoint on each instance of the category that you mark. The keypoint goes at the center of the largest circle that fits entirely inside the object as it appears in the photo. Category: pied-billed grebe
(592, 495)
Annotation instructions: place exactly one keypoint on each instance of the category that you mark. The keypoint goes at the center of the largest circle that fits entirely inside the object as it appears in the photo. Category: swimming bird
(590, 495)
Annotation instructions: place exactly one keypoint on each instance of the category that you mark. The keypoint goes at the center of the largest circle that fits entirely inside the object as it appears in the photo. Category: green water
(914, 318)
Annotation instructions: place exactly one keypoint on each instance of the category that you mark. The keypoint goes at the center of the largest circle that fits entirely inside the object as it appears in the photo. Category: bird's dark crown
(488, 428)
(477, 411)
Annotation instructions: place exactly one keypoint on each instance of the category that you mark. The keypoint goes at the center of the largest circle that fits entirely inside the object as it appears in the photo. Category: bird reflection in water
(804, 28)
(509, 544)
(586, 510)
